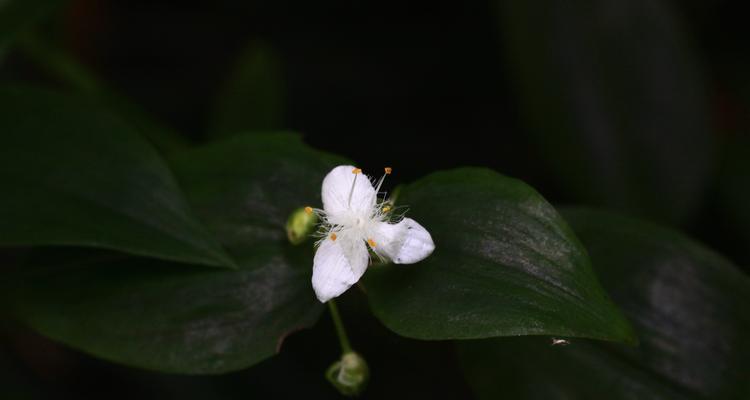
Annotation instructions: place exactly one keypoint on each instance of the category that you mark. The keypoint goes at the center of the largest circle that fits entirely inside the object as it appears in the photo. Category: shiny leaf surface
(505, 264)
(686, 304)
(75, 174)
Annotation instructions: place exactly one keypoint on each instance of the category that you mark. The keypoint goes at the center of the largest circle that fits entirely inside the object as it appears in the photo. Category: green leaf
(505, 264)
(185, 319)
(245, 187)
(252, 98)
(74, 174)
(616, 102)
(172, 318)
(686, 304)
(18, 15)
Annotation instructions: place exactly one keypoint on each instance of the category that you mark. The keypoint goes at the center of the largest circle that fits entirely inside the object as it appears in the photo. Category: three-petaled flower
(353, 219)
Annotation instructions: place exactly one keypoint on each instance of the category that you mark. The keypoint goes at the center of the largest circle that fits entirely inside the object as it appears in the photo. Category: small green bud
(349, 375)
(300, 224)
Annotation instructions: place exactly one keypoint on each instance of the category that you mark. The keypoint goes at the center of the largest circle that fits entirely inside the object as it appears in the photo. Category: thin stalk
(340, 331)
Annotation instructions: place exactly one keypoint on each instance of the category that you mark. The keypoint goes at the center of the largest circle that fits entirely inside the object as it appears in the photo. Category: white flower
(352, 220)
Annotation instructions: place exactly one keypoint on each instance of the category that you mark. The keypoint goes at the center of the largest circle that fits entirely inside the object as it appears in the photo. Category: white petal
(338, 265)
(337, 187)
(406, 242)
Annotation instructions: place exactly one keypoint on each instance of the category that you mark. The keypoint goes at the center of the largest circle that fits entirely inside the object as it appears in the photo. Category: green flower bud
(300, 224)
(349, 375)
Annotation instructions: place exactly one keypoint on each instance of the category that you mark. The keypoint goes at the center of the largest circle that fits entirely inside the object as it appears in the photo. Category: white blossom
(353, 220)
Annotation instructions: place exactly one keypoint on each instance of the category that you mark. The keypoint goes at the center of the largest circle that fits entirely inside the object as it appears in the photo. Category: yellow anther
(388, 170)
(386, 208)
(308, 210)
(371, 243)
(333, 237)
(356, 171)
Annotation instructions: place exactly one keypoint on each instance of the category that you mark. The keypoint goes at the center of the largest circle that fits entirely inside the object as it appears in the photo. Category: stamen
(356, 172)
(371, 242)
(333, 237)
(386, 208)
(308, 210)
(388, 171)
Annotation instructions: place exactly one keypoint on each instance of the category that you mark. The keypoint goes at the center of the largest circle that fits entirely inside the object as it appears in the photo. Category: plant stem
(340, 331)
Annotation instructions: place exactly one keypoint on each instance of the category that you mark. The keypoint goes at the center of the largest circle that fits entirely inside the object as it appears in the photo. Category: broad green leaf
(615, 100)
(17, 15)
(245, 187)
(172, 318)
(185, 319)
(252, 98)
(687, 307)
(74, 174)
(505, 264)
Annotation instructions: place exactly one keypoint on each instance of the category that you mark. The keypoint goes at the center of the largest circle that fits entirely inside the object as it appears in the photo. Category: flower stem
(340, 331)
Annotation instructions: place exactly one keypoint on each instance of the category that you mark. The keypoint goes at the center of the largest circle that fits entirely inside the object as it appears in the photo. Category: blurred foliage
(17, 16)
(733, 189)
(74, 76)
(252, 98)
(616, 99)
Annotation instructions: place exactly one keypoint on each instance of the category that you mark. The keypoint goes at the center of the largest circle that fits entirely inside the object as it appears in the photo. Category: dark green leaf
(17, 15)
(505, 264)
(171, 318)
(186, 319)
(252, 98)
(74, 174)
(245, 187)
(687, 305)
(615, 100)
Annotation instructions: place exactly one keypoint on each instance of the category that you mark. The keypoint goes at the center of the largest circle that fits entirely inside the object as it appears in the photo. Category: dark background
(418, 87)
